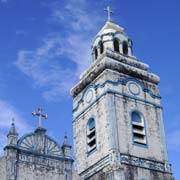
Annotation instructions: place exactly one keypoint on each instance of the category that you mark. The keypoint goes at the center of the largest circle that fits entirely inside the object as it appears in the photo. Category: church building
(35, 156)
(118, 128)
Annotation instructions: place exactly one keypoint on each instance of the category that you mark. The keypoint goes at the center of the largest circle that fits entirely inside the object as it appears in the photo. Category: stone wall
(31, 167)
(36, 167)
(38, 172)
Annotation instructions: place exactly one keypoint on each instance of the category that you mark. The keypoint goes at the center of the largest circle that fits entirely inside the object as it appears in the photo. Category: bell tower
(118, 125)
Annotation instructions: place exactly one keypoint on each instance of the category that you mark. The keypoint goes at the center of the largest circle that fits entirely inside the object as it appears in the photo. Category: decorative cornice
(126, 59)
(42, 156)
(126, 159)
(108, 62)
(146, 163)
(30, 153)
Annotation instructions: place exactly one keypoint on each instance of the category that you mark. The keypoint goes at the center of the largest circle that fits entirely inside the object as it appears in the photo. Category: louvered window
(91, 135)
(138, 128)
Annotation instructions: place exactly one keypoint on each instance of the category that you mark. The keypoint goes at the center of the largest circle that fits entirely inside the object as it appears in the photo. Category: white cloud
(7, 112)
(76, 15)
(44, 65)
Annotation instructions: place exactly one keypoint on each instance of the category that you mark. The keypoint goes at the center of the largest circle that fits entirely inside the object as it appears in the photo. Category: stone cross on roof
(108, 10)
(40, 115)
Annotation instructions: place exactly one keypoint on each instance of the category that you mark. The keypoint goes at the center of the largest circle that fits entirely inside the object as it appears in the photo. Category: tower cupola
(113, 38)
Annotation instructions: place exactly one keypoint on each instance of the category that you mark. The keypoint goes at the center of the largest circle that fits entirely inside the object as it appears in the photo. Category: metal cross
(108, 10)
(40, 115)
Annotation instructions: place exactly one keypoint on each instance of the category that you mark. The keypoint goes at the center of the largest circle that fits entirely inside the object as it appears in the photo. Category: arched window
(125, 48)
(101, 46)
(91, 135)
(138, 128)
(116, 45)
(95, 53)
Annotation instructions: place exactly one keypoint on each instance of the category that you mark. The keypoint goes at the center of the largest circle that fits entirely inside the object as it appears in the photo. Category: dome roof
(110, 27)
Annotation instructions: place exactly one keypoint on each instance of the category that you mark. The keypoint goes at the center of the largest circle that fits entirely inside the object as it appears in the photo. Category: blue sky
(45, 45)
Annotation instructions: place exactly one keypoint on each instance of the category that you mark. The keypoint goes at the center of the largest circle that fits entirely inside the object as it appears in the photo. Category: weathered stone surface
(114, 86)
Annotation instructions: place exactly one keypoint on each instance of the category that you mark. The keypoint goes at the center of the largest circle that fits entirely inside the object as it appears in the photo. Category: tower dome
(111, 37)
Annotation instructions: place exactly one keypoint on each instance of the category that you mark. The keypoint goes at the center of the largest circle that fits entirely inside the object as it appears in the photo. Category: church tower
(118, 124)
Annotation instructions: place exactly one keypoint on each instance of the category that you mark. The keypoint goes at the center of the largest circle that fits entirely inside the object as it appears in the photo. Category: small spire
(12, 130)
(66, 143)
(66, 147)
(109, 12)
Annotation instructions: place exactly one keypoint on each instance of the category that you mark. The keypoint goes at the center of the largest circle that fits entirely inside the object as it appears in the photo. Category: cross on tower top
(40, 115)
(109, 11)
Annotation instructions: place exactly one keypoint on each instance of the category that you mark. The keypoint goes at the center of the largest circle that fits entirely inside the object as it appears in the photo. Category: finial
(65, 135)
(65, 138)
(13, 129)
(66, 143)
(40, 115)
(108, 10)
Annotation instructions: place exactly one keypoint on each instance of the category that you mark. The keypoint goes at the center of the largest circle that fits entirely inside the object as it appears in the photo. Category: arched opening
(138, 128)
(125, 48)
(91, 135)
(116, 45)
(101, 47)
(95, 53)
